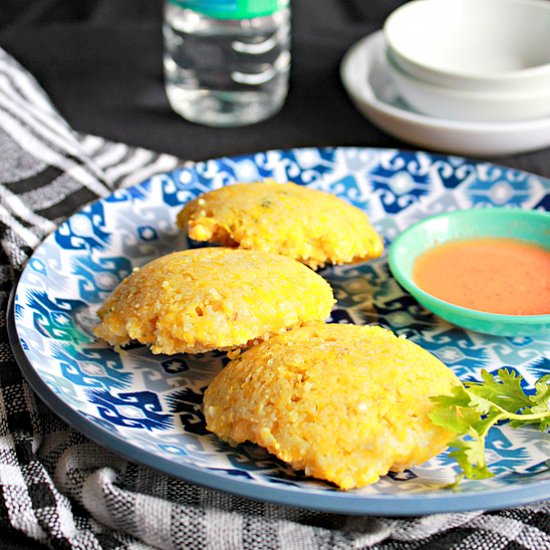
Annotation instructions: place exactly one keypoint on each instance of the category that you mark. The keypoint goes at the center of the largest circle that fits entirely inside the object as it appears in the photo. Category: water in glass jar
(226, 72)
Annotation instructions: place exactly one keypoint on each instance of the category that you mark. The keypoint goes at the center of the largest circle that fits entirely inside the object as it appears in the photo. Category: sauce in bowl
(494, 275)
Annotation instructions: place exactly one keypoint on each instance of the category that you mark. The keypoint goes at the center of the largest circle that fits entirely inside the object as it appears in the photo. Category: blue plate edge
(337, 502)
(328, 502)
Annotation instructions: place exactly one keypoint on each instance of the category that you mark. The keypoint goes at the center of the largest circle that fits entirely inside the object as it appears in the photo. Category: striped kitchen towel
(64, 491)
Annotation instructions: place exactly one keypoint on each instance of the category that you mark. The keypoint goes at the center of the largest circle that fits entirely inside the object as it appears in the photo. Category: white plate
(148, 407)
(365, 76)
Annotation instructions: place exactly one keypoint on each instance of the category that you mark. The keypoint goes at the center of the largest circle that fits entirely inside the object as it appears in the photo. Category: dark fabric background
(101, 63)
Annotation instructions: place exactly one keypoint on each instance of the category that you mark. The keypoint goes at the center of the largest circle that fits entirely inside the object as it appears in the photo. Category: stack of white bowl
(472, 60)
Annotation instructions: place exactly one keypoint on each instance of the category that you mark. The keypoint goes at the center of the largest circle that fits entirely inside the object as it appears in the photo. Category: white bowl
(474, 106)
(476, 45)
(365, 77)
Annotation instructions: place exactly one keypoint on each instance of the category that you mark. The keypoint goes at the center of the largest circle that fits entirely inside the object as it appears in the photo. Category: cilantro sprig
(472, 409)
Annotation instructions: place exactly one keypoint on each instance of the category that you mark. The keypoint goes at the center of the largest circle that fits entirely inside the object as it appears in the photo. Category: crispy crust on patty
(344, 403)
(311, 226)
(212, 298)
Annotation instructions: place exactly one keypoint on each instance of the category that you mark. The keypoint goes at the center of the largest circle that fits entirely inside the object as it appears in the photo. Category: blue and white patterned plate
(148, 408)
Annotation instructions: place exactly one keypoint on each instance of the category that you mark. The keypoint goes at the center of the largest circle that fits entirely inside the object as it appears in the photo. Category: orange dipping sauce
(494, 275)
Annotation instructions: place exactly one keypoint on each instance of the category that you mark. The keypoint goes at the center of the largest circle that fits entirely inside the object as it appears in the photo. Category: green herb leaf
(506, 392)
(470, 455)
(471, 410)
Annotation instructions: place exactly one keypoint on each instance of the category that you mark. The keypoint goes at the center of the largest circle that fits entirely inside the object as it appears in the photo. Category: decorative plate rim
(336, 501)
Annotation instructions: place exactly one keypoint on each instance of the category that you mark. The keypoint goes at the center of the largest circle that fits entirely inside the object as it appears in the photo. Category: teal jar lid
(233, 9)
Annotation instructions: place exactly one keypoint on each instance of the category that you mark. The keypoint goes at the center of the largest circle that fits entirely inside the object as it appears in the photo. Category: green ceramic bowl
(527, 225)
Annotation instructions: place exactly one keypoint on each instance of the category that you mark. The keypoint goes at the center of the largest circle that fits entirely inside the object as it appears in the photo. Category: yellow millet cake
(344, 403)
(212, 298)
(311, 226)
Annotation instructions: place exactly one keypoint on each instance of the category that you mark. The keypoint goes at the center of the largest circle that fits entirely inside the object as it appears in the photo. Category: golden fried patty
(345, 403)
(212, 298)
(311, 226)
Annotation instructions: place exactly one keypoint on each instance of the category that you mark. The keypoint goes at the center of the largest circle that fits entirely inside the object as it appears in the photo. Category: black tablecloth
(100, 61)
(100, 64)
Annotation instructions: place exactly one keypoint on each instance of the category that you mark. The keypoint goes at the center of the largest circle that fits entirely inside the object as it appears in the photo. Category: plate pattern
(149, 407)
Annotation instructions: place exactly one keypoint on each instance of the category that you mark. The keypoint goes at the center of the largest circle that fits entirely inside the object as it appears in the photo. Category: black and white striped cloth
(60, 489)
